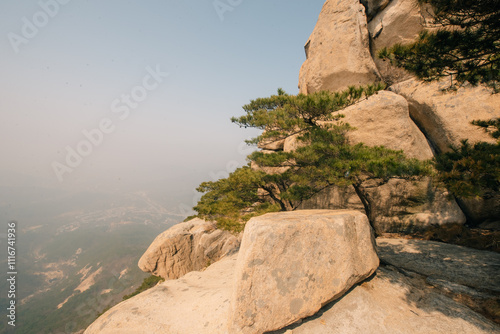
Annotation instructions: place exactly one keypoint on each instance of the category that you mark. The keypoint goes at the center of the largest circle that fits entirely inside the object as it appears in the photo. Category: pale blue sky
(67, 74)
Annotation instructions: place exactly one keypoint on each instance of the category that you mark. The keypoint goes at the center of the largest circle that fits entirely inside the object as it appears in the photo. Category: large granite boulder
(290, 264)
(384, 120)
(338, 50)
(186, 247)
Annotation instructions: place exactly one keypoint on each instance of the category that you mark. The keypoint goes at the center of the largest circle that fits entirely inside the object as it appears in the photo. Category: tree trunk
(274, 192)
(363, 196)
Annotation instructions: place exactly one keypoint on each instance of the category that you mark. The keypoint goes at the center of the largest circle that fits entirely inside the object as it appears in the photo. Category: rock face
(445, 117)
(334, 198)
(401, 206)
(292, 263)
(186, 247)
(465, 266)
(399, 22)
(338, 51)
(196, 303)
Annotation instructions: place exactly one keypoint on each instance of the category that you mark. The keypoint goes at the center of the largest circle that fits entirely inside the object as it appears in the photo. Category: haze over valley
(111, 114)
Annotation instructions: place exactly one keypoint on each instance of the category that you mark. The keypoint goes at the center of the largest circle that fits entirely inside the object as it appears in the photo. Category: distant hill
(78, 251)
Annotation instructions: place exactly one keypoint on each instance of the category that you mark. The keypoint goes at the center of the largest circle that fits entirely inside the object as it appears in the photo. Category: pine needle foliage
(472, 170)
(464, 44)
(324, 157)
(234, 200)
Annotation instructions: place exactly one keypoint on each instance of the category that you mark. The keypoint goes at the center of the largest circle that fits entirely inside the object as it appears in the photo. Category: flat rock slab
(466, 266)
(389, 304)
(196, 303)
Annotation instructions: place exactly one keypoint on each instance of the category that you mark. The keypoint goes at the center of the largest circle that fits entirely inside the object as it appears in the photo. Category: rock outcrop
(444, 117)
(394, 300)
(292, 263)
(338, 50)
(186, 247)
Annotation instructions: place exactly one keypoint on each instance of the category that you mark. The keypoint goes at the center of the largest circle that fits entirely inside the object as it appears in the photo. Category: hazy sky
(89, 78)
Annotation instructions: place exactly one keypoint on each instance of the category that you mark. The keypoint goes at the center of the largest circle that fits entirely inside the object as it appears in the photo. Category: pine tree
(324, 157)
(464, 44)
(233, 200)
